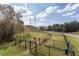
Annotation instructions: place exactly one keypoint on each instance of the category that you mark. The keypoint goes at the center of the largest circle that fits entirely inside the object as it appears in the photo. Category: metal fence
(46, 47)
(43, 49)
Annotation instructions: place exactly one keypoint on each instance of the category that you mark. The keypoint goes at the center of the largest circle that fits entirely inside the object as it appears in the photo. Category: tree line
(10, 22)
(72, 26)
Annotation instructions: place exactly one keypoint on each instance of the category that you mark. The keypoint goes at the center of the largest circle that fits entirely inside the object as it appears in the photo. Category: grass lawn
(59, 45)
(42, 50)
(4, 46)
(19, 50)
(75, 43)
(38, 34)
(7, 50)
(58, 39)
(15, 51)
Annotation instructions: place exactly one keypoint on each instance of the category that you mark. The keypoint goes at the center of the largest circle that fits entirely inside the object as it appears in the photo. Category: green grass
(38, 34)
(42, 50)
(75, 43)
(30, 35)
(15, 50)
(59, 45)
(59, 40)
(4, 46)
(7, 50)
(19, 50)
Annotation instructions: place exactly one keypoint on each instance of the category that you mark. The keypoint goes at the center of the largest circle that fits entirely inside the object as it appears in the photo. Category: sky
(47, 13)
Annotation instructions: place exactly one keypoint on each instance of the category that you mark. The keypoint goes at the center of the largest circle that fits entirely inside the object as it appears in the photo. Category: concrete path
(73, 35)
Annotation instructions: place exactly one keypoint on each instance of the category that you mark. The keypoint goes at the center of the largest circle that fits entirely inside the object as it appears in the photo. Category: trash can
(66, 51)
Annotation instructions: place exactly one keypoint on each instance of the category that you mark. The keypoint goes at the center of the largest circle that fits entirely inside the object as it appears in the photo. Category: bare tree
(10, 22)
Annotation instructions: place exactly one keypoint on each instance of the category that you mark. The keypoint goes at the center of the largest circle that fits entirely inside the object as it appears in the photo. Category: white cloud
(31, 17)
(70, 13)
(18, 8)
(27, 14)
(26, 20)
(51, 9)
(73, 7)
(41, 15)
(47, 11)
(68, 7)
(42, 19)
(22, 10)
(28, 17)
(65, 8)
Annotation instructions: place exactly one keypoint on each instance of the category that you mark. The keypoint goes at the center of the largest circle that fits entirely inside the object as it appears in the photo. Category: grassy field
(75, 43)
(7, 50)
(56, 43)
(13, 50)
(58, 39)
(53, 51)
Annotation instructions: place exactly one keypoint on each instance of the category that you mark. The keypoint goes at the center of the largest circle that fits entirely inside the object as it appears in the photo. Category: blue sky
(47, 13)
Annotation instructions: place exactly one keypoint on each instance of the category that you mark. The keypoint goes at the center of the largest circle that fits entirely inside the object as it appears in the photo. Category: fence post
(25, 44)
(72, 53)
(30, 45)
(15, 41)
(54, 43)
(39, 40)
(20, 41)
(49, 50)
(35, 47)
(16, 37)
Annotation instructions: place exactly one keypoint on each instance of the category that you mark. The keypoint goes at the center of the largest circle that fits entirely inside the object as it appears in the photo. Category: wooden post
(54, 43)
(35, 47)
(25, 44)
(39, 40)
(15, 41)
(30, 45)
(72, 53)
(20, 41)
(49, 50)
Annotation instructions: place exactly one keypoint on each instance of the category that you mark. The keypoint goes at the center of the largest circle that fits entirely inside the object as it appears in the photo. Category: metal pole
(35, 21)
(29, 41)
(29, 21)
(35, 39)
